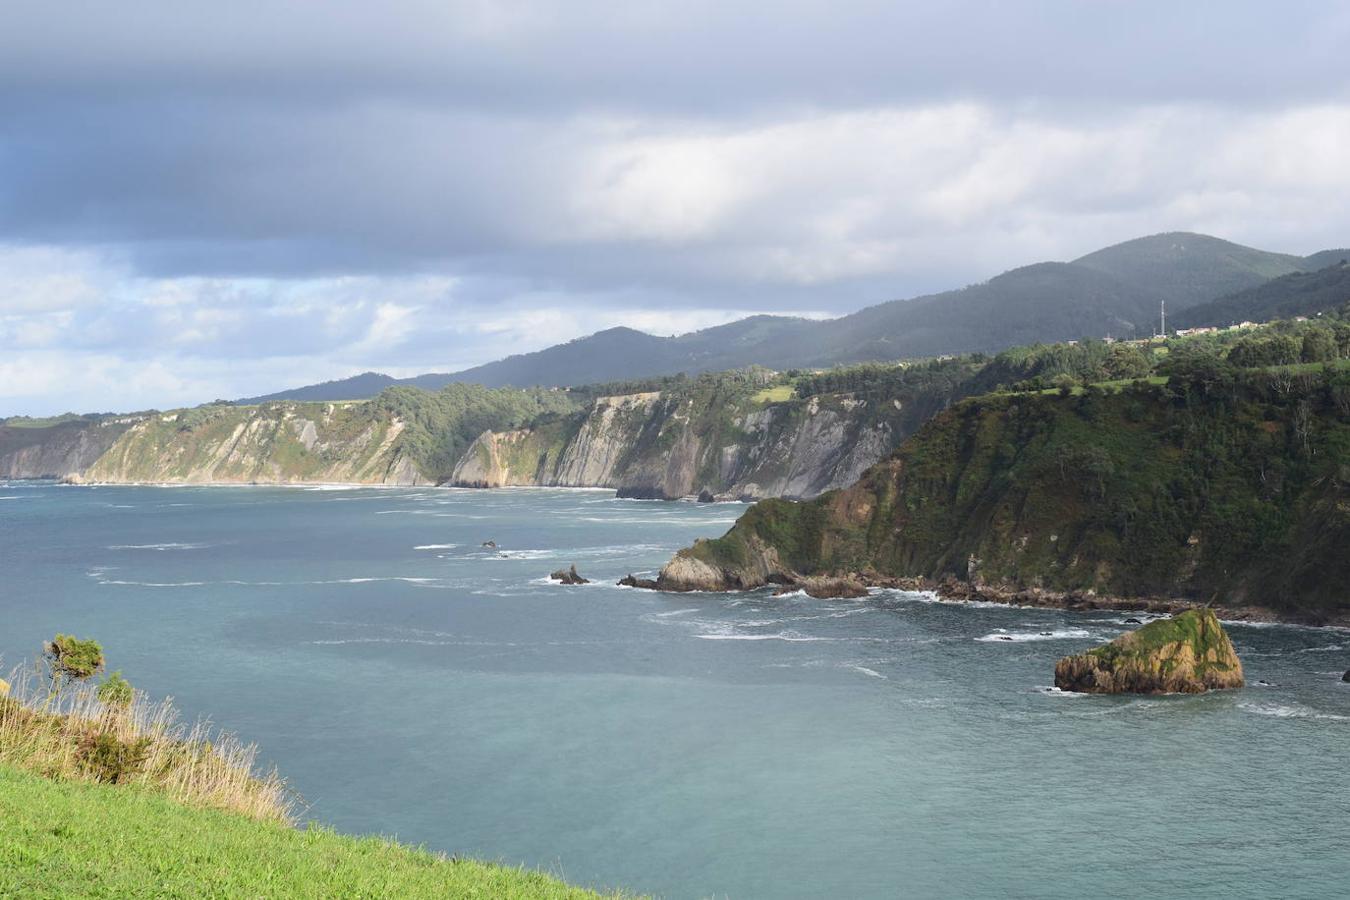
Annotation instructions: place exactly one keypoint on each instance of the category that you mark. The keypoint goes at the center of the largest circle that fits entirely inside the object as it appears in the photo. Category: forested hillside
(1116, 291)
(1223, 484)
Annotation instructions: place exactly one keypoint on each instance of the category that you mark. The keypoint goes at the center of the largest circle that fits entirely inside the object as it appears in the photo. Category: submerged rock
(632, 581)
(491, 545)
(569, 576)
(1187, 654)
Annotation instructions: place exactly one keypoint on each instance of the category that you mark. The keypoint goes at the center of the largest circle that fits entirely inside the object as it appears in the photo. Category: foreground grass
(76, 736)
(76, 839)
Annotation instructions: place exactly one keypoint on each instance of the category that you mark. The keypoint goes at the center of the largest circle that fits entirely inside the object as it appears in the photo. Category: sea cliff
(277, 443)
(59, 449)
(1234, 492)
(725, 436)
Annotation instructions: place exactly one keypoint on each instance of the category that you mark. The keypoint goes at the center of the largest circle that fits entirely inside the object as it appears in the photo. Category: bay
(411, 682)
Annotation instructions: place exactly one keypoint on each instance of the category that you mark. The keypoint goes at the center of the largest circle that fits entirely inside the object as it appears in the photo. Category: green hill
(71, 839)
(1186, 268)
(1296, 294)
(1218, 486)
(1115, 290)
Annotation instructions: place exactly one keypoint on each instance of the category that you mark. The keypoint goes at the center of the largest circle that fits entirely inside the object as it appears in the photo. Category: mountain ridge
(1116, 290)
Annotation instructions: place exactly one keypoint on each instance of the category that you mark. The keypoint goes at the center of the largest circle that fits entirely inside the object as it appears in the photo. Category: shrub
(110, 760)
(116, 691)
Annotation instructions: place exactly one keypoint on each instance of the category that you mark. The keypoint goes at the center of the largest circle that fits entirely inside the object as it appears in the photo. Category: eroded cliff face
(57, 451)
(667, 447)
(274, 443)
(1154, 492)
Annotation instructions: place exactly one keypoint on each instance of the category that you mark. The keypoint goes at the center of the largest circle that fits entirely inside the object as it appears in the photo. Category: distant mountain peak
(1113, 290)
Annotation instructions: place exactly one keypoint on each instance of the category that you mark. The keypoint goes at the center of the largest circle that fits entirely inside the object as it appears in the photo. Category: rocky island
(1187, 654)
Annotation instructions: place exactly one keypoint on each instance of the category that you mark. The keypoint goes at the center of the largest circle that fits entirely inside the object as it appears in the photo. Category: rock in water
(631, 581)
(569, 576)
(1346, 676)
(825, 588)
(1187, 654)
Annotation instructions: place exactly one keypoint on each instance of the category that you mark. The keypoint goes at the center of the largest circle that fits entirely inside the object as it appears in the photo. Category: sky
(217, 200)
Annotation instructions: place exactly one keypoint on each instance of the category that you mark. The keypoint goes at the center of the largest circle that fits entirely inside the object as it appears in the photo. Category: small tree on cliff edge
(70, 659)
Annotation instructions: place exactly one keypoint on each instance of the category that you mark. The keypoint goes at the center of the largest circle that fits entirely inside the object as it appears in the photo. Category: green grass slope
(67, 840)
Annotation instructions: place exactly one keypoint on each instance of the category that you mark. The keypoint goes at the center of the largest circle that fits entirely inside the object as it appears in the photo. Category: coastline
(955, 590)
(343, 485)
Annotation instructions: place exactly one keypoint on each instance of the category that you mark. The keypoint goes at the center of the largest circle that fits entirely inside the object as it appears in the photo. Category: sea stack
(1187, 654)
(569, 576)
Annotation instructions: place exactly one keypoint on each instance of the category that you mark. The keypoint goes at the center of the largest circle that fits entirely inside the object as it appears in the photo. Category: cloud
(230, 203)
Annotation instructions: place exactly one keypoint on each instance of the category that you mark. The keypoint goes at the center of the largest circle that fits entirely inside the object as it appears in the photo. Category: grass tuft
(76, 736)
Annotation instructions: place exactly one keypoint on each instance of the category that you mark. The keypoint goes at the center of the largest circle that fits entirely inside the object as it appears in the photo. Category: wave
(172, 545)
(435, 546)
(789, 636)
(1022, 637)
(1052, 691)
(97, 576)
(866, 671)
(523, 554)
(675, 612)
(1290, 711)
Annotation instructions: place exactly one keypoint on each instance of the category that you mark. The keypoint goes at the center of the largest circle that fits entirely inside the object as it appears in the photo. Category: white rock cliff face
(645, 446)
(246, 445)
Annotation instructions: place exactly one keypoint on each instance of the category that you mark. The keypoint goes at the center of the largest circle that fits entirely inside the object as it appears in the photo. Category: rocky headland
(1154, 498)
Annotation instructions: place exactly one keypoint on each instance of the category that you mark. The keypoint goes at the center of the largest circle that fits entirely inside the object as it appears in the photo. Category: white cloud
(662, 223)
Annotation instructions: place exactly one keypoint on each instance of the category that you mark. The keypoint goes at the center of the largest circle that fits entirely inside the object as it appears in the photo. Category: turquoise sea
(410, 682)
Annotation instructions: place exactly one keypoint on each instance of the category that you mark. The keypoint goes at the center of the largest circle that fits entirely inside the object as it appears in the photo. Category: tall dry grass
(195, 764)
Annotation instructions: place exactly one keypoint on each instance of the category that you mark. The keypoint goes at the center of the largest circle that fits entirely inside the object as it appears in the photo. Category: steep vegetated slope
(1220, 485)
(56, 448)
(1299, 294)
(404, 436)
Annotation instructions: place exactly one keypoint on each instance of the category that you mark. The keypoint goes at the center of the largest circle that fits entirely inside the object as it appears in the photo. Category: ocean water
(409, 682)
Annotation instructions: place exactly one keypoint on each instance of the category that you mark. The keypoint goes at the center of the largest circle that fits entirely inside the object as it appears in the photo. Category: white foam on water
(524, 554)
(1052, 691)
(675, 612)
(1290, 711)
(789, 636)
(1022, 637)
(97, 575)
(866, 671)
(435, 546)
(166, 546)
(408, 579)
